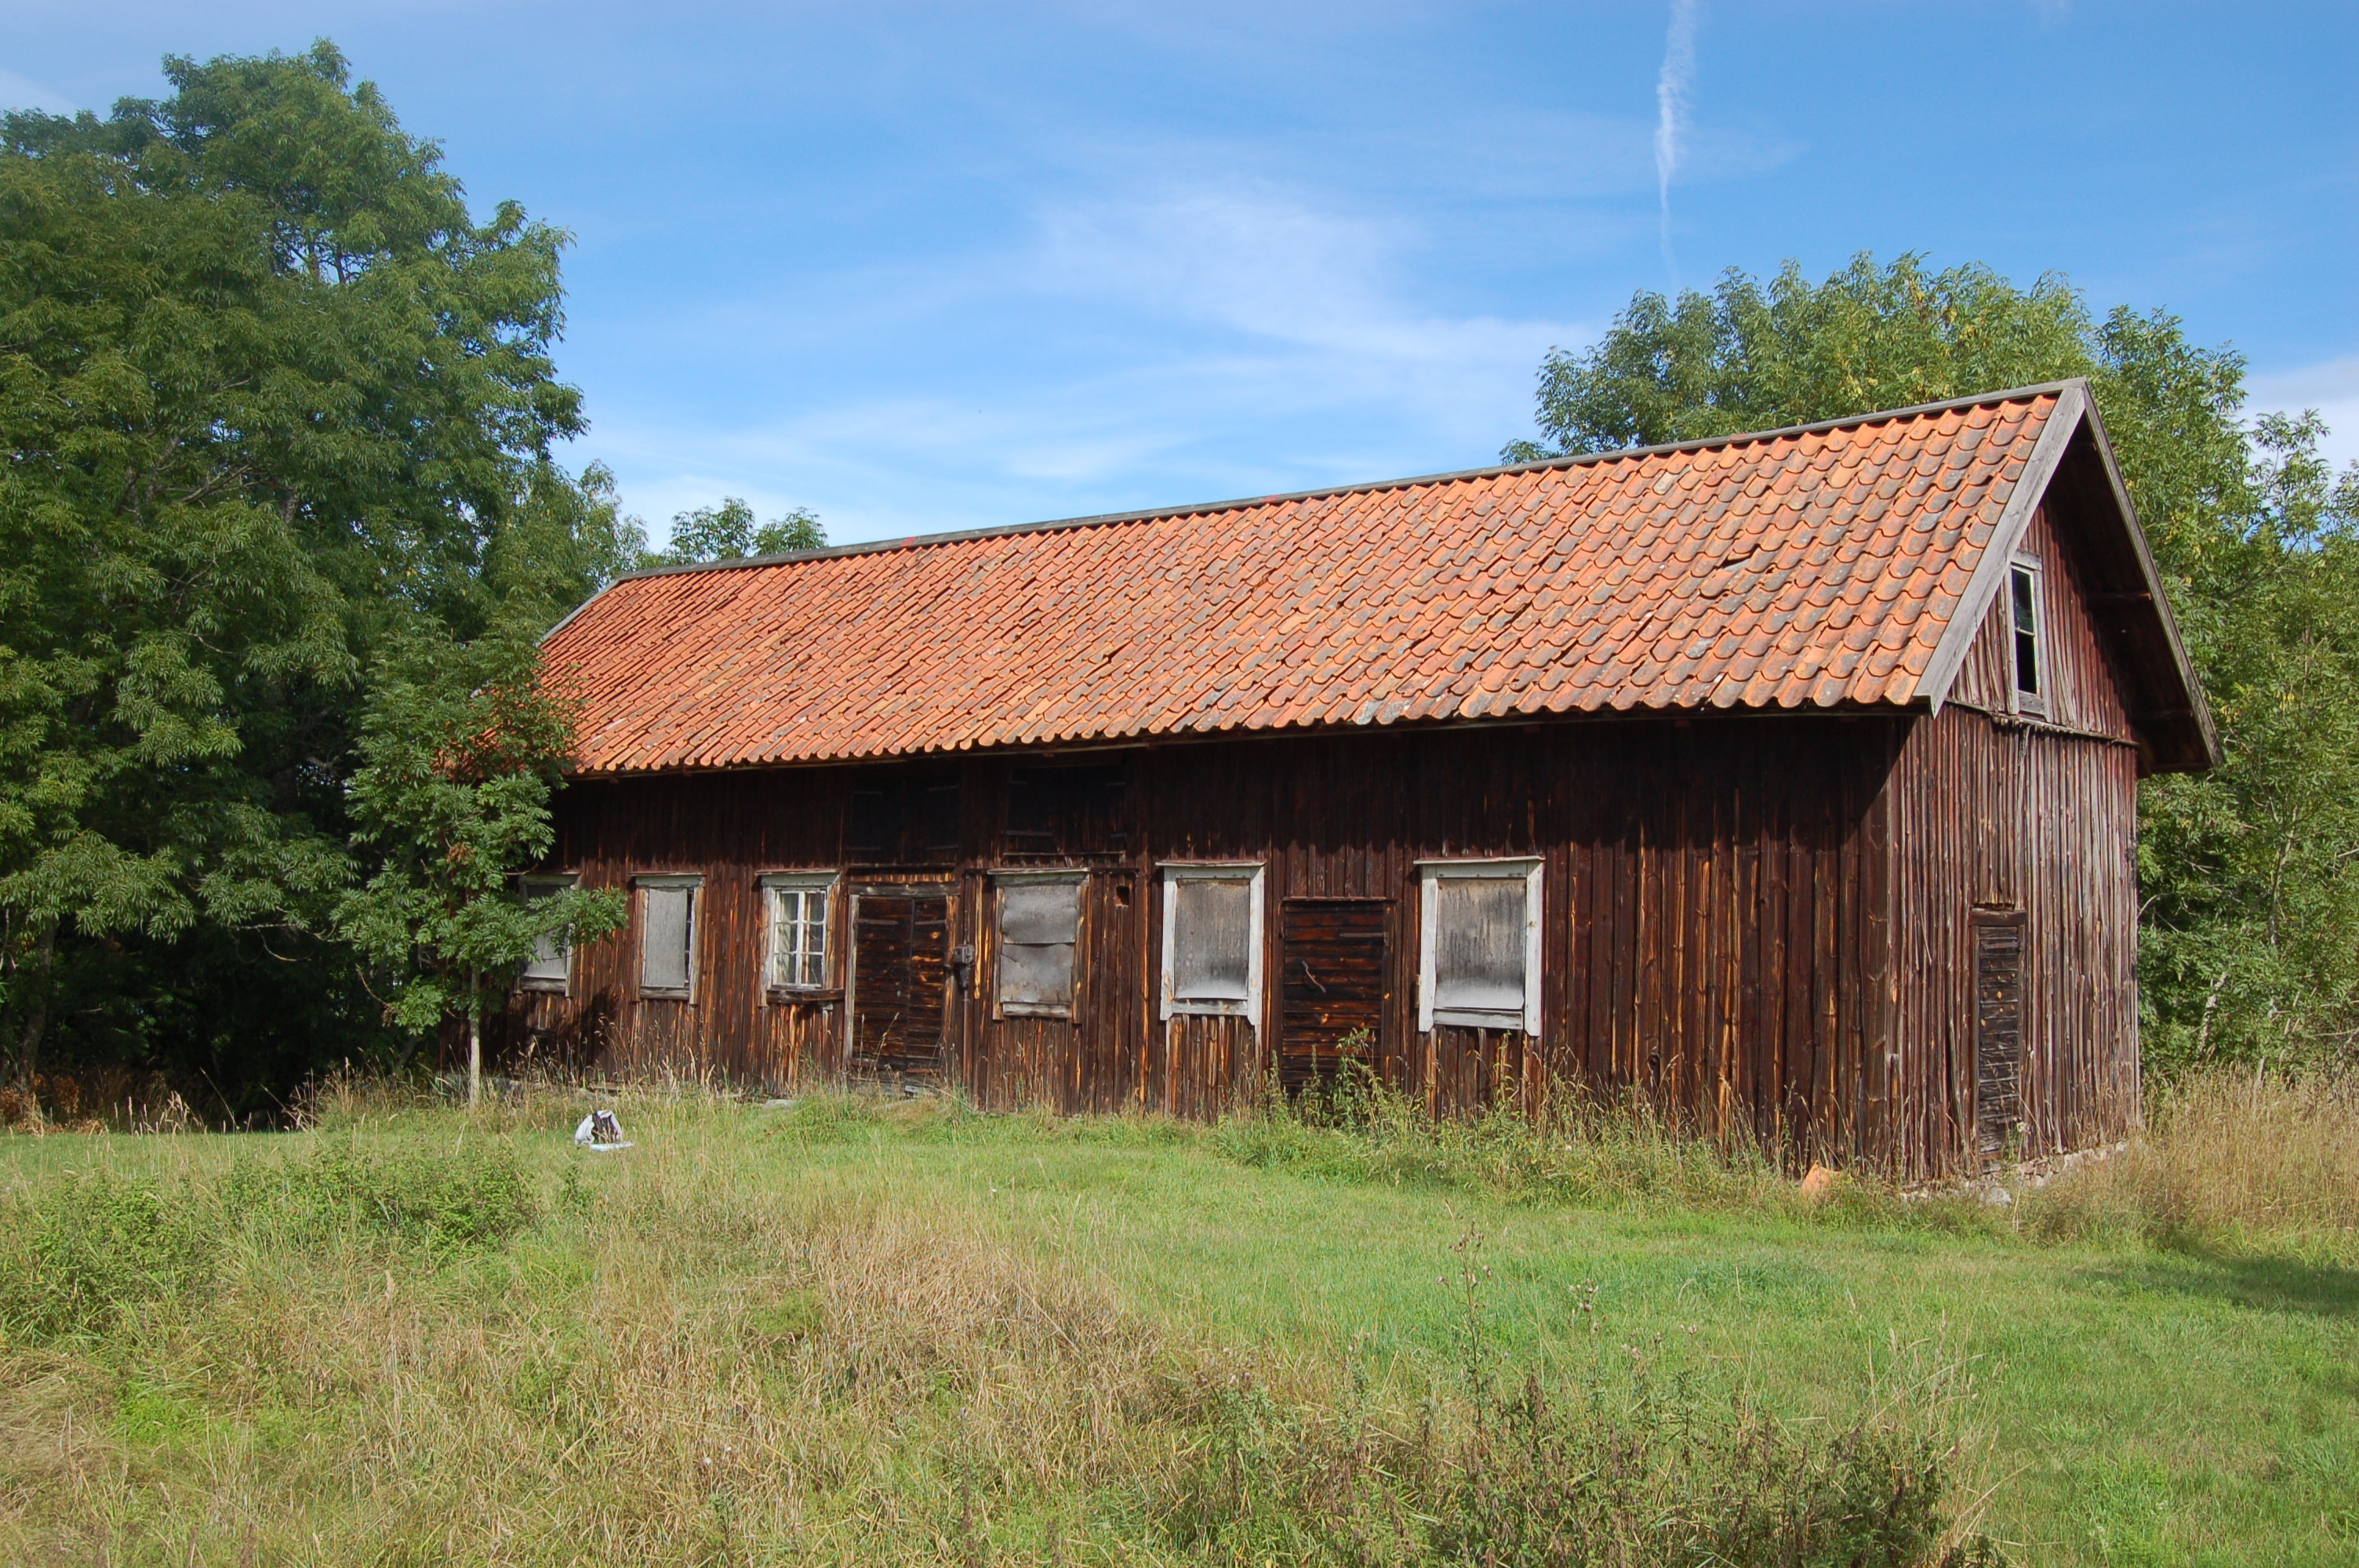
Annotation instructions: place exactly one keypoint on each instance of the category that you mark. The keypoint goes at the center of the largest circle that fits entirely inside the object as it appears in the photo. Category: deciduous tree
(728, 532)
(2250, 874)
(269, 395)
(460, 747)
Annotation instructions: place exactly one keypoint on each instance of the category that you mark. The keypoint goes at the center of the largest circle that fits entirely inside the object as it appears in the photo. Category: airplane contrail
(1671, 111)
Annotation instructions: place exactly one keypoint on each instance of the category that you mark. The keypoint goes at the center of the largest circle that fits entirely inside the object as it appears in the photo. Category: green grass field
(845, 1331)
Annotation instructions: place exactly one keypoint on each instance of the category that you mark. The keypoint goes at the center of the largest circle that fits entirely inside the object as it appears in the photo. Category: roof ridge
(1569, 460)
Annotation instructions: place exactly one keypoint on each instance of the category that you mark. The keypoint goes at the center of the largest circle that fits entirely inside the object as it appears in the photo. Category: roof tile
(1812, 568)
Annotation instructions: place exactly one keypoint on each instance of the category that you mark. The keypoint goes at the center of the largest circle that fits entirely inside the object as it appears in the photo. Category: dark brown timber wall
(1999, 814)
(1717, 905)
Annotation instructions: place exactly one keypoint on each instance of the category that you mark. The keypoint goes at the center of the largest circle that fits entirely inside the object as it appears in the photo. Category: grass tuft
(2232, 1160)
(88, 1253)
(474, 1194)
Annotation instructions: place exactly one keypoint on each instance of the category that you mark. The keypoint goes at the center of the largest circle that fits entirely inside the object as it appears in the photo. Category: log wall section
(1998, 810)
(1715, 912)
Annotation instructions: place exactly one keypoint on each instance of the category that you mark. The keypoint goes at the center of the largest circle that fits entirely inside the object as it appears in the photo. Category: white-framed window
(1040, 929)
(1478, 959)
(1211, 938)
(667, 917)
(798, 904)
(550, 967)
(2028, 649)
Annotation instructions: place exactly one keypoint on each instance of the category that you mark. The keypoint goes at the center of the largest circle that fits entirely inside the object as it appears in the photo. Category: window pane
(1039, 912)
(1211, 936)
(1035, 974)
(1478, 944)
(663, 945)
(798, 937)
(548, 960)
(2027, 631)
(549, 952)
(1038, 924)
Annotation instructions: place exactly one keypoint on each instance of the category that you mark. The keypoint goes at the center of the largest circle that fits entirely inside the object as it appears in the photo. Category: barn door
(901, 983)
(1333, 956)
(1998, 1032)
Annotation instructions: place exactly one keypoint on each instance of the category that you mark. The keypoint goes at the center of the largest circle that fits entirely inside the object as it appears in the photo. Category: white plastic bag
(601, 1134)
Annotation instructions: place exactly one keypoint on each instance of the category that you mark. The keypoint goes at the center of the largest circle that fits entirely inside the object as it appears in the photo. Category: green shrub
(90, 1252)
(476, 1195)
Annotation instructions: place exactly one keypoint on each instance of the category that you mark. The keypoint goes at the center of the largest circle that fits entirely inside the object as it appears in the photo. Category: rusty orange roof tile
(1818, 567)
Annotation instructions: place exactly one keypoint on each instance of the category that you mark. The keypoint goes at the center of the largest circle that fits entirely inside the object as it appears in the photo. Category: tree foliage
(728, 532)
(2250, 874)
(269, 396)
(461, 748)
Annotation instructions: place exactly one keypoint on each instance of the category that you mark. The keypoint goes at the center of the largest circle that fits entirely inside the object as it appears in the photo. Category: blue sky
(938, 267)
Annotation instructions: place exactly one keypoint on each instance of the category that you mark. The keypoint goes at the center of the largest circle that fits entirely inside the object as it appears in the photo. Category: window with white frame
(1040, 929)
(551, 964)
(1479, 943)
(798, 907)
(667, 911)
(1212, 939)
(2023, 610)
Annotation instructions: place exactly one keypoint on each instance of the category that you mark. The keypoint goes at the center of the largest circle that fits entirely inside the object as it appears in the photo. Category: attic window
(551, 964)
(667, 934)
(2023, 605)
(1039, 927)
(1479, 945)
(797, 904)
(1212, 939)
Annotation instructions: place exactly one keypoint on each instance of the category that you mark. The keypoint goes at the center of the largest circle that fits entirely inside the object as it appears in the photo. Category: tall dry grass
(398, 1340)
(2239, 1159)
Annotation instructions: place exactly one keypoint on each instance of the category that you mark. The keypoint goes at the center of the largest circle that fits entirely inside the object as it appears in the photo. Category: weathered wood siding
(1716, 907)
(2084, 692)
(1999, 811)
(2004, 816)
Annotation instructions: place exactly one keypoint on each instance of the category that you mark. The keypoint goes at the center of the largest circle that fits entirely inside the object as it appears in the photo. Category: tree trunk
(474, 1042)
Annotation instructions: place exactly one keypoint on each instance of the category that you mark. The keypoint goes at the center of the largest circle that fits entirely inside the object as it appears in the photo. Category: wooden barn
(1788, 777)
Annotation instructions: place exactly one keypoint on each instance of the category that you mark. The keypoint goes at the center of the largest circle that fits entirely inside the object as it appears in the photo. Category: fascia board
(1982, 588)
(2150, 576)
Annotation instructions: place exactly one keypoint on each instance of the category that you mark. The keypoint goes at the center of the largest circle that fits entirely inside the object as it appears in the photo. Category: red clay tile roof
(1816, 567)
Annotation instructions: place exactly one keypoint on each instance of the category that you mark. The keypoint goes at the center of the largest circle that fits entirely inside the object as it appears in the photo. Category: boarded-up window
(902, 818)
(667, 934)
(1040, 926)
(1479, 952)
(1212, 939)
(551, 964)
(2023, 605)
(799, 908)
(1066, 811)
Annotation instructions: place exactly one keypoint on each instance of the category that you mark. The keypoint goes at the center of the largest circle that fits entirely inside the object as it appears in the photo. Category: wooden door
(901, 983)
(1998, 1033)
(1333, 969)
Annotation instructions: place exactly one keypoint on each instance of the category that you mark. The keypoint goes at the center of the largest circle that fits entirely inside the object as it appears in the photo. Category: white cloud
(2330, 387)
(1173, 333)
(22, 93)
